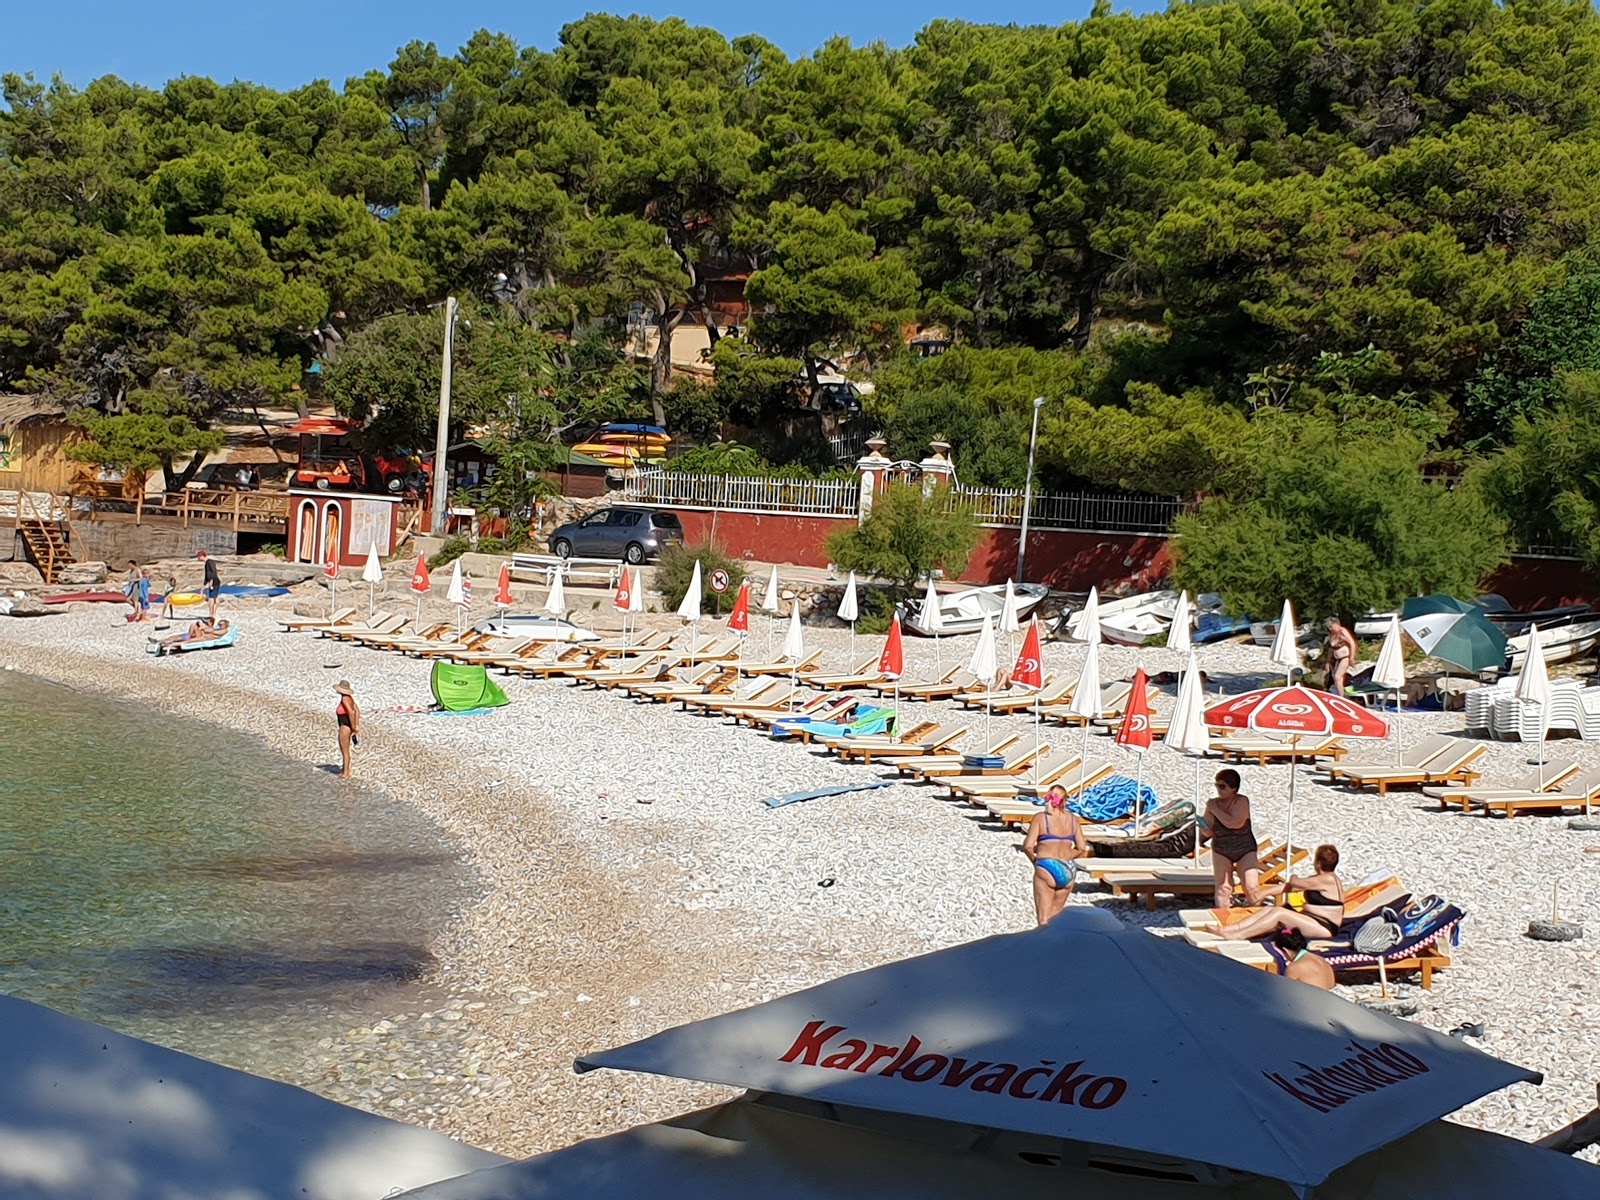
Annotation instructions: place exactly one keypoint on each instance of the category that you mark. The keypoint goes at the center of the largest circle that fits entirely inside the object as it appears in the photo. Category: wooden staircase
(46, 544)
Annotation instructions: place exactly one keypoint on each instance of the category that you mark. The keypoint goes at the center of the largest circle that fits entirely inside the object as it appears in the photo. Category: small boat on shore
(542, 626)
(963, 611)
(1561, 641)
(1264, 633)
(1129, 621)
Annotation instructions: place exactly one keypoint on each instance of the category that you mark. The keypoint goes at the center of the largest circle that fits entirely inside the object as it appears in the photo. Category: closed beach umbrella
(1088, 619)
(372, 576)
(892, 662)
(770, 600)
(1188, 734)
(1085, 700)
(420, 583)
(636, 592)
(1533, 687)
(1466, 639)
(689, 606)
(984, 665)
(1010, 622)
(1390, 672)
(331, 573)
(1178, 637)
(1286, 646)
(1028, 671)
(794, 644)
(850, 610)
(1135, 731)
(992, 1034)
(502, 589)
(556, 602)
(931, 617)
(456, 594)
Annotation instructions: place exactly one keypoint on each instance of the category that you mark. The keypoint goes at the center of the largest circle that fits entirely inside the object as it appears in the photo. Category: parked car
(631, 534)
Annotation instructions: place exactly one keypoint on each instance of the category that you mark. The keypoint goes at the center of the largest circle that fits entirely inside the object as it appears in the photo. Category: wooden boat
(963, 611)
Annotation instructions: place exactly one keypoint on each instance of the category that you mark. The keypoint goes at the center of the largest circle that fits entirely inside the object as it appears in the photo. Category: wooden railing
(237, 510)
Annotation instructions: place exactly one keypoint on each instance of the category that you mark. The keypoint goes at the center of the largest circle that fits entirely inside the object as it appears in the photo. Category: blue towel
(871, 721)
(1111, 799)
(983, 762)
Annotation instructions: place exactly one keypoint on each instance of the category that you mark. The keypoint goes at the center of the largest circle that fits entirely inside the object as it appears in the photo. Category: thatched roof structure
(15, 410)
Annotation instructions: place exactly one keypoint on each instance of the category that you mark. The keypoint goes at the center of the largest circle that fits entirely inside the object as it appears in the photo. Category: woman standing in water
(348, 715)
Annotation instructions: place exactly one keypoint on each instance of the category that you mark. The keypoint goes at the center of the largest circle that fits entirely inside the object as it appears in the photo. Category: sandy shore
(604, 919)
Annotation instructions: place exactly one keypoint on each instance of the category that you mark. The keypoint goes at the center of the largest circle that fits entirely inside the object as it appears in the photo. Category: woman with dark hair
(1320, 915)
(1233, 841)
(1054, 841)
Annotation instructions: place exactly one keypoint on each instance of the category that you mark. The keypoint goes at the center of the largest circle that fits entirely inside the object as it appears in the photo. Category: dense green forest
(1214, 237)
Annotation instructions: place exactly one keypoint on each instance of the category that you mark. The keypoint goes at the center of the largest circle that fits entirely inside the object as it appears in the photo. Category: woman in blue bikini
(1055, 839)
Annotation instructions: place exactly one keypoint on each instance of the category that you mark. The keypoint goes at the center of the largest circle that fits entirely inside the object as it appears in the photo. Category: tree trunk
(188, 472)
(424, 192)
(661, 365)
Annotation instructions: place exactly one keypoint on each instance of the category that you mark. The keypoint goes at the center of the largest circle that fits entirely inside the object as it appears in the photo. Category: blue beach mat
(1111, 799)
(819, 793)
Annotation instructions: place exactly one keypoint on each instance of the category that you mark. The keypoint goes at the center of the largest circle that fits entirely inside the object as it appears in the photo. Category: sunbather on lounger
(1055, 839)
(1233, 842)
(199, 631)
(1319, 918)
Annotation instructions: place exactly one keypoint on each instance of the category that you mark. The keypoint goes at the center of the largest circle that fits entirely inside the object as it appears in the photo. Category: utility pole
(1027, 488)
(441, 441)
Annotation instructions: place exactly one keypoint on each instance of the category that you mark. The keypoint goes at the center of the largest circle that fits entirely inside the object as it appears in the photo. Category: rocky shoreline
(603, 919)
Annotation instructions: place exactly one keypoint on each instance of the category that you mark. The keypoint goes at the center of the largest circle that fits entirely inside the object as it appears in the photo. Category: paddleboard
(86, 597)
(252, 589)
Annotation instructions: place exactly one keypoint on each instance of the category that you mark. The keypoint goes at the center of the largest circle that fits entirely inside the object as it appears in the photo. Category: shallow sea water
(179, 882)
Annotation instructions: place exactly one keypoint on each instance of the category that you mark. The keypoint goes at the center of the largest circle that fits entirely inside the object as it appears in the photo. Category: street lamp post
(1027, 488)
(441, 441)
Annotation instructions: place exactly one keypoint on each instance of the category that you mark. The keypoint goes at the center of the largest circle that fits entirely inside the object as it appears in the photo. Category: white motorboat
(1130, 621)
(1373, 626)
(963, 611)
(542, 626)
(1560, 643)
(1264, 633)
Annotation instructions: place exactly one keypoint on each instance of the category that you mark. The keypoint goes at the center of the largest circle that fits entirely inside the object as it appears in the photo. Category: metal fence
(747, 493)
(1093, 512)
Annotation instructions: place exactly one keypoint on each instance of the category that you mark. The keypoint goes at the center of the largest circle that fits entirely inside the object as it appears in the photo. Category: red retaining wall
(1534, 583)
(770, 537)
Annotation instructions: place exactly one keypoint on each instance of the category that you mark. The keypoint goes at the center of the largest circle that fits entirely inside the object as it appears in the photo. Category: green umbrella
(1463, 639)
(1425, 606)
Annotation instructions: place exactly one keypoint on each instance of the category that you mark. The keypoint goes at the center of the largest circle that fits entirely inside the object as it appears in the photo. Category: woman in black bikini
(1055, 839)
(1321, 914)
(1233, 842)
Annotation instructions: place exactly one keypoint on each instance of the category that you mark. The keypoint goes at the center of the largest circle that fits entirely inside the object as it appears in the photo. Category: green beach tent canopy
(458, 687)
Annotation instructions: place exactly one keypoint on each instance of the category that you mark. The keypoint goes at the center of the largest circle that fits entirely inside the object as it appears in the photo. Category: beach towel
(872, 720)
(1444, 923)
(1112, 799)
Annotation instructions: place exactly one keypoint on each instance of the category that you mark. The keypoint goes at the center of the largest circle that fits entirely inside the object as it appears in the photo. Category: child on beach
(166, 598)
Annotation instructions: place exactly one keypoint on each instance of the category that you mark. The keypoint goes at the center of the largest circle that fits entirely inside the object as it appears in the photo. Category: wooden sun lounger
(1113, 699)
(541, 666)
(439, 632)
(821, 707)
(1069, 771)
(525, 650)
(1413, 757)
(636, 670)
(1011, 699)
(756, 699)
(1453, 765)
(1193, 881)
(918, 742)
(1580, 791)
(941, 689)
(1014, 762)
(867, 666)
(781, 666)
(952, 762)
(384, 623)
(1263, 750)
(888, 687)
(446, 647)
(720, 682)
(342, 617)
(658, 675)
(1554, 775)
(777, 700)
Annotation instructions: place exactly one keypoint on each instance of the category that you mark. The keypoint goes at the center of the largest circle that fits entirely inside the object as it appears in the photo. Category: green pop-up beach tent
(458, 687)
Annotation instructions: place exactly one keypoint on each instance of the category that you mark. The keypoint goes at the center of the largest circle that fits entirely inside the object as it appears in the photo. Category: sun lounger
(562, 658)
(906, 687)
(1016, 759)
(917, 742)
(866, 719)
(863, 675)
(1579, 791)
(819, 710)
(713, 649)
(638, 669)
(867, 666)
(1265, 748)
(1192, 881)
(782, 698)
(781, 666)
(1552, 776)
(693, 679)
(721, 682)
(443, 647)
(1413, 756)
(342, 617)
(953, 762)
(941, 689)
(1023, 699)
(1113, 699)
(494, 656)
(1450, 765)
(442, 630)
(1064, 768)
(755, 699)
(381, 624)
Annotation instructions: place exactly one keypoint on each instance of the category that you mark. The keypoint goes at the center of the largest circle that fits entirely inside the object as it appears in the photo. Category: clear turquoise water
(186, 884)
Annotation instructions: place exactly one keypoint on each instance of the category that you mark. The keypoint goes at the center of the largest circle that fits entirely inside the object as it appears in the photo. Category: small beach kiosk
(340, 526)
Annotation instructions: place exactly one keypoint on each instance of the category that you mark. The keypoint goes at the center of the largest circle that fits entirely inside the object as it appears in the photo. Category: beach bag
(1379, 934)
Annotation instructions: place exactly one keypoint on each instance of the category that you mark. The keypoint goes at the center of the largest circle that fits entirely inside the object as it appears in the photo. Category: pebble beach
(632, 880)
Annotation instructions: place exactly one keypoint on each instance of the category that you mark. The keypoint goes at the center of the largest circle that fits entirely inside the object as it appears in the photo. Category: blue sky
(289, 42)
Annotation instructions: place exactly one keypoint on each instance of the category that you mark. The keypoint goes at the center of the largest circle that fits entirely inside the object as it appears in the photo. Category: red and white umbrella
(420, 583)
(502, 588)
(1298, 711)
(892, 663)
(1135, 731)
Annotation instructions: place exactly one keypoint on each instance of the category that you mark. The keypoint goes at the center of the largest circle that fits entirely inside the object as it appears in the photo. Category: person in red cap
(212, 587)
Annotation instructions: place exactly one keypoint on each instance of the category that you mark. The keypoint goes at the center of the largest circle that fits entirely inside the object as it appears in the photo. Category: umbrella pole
(372, 599)
(1288, 849)
(1138, 788)
(852, 661)
(1036, 718)
(418, 621)
(1197, 808)
(988, 714)
(333, 596)
(896, 705)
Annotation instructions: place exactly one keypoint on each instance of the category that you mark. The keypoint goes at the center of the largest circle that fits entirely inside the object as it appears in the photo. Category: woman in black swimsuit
(1321, 914)
(1233, 842)
(348, 715)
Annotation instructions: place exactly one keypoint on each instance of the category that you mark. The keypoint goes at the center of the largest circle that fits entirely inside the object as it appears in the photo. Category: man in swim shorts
(212, 588)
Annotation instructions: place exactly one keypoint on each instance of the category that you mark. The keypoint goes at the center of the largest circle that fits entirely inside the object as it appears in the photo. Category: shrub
(453, 548)
(675, 568)
(907, 535)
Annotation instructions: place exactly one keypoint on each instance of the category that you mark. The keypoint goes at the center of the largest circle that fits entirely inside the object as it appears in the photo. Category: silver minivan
(631, 534)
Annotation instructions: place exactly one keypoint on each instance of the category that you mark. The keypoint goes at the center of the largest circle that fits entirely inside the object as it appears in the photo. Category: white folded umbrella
(1533, 687)
(1390, 672)
(372, 576)
(1285, 646)
(1178, 637)
(689, 606)
(556, 601)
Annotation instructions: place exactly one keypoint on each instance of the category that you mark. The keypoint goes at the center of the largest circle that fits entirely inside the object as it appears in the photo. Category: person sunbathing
(200, 631)
(1319, 917)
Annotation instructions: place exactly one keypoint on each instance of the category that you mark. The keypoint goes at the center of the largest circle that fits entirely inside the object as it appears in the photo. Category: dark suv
(631, 534)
